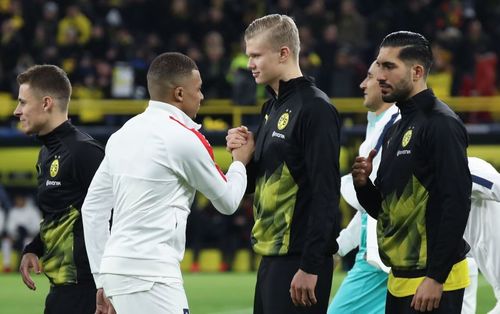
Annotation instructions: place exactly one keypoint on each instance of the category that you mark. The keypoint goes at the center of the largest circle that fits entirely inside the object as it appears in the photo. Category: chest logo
(406, 138)
(54, 168)
(283, 121)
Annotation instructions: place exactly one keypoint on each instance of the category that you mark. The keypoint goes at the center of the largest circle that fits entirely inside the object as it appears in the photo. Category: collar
(174, 112)
(53, 136)
(286, 87)
(422, 101)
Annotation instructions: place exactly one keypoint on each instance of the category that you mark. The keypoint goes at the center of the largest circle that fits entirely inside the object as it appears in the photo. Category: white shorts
(141, 296)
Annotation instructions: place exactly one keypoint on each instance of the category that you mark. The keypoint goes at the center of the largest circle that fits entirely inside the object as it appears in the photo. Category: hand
(362, 169)
(302, 288)
(103, 305)
(427, 296)
(236, 137)
(28, 262)
(245, 152)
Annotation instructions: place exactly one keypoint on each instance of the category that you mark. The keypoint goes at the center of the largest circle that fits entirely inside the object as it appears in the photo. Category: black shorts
(74, 299)
(450, 303)
(272, 291)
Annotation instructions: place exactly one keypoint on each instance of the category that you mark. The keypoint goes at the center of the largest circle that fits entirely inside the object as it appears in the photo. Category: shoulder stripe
(482, 182)
(205, 143)
(386, 127)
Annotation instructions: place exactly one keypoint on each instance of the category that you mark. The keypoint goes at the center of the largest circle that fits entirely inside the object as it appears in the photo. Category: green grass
(208, 293)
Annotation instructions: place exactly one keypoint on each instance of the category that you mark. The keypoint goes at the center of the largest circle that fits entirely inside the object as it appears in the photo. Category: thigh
(361, 292)
(160, 299)
(71, 299)
(272, 293)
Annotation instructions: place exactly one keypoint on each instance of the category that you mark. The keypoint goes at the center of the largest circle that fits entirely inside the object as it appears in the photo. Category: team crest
(54, 168)
(283, 121)
(406, 138)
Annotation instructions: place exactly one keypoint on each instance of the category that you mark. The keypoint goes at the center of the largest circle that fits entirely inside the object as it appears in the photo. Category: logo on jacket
(283, 121)
(406, 138)
(54, 168)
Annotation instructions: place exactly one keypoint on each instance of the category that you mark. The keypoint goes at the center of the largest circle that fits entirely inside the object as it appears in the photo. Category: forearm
(235, 188)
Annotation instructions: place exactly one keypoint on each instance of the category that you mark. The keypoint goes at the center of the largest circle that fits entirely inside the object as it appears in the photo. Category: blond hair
(280, 30)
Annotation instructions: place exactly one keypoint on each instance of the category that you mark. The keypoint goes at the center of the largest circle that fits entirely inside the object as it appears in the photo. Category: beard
(401, 92)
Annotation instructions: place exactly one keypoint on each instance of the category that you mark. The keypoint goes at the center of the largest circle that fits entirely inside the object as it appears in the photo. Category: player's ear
(285, 53)
(47, 103)
(179, 93)
(418, 72)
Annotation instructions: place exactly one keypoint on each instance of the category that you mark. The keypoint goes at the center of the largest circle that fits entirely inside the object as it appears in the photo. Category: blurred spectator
(214, 67)
(22, 224)
(351, 26)
(5, 202)
(441, 76)
(74, 28)
(69, 34)
(327, 51)
(346, 74)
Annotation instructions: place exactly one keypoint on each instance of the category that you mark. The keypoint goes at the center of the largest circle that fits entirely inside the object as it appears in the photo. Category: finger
(423, 305)
(36, 267)
(436, 303)
(372, 155)
(234, 145)
(358, 173)
(233, 131)
(25, 274)
(236, 140)
(360, 165)
(359, 159)
(415, 303)
(430, 305)
(312, 296)
(300, 297)
(305, 298)
(293, 294)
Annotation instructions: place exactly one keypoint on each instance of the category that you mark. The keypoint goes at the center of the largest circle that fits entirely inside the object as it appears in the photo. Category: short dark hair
(415, 47)
(48, 79)
(166, 71)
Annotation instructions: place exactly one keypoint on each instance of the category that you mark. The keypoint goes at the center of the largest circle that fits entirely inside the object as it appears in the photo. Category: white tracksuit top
(349, 238)
(152, 168)
(481, 231)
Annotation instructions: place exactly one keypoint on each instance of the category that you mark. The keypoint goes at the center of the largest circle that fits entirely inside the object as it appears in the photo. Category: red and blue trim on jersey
(205, 143)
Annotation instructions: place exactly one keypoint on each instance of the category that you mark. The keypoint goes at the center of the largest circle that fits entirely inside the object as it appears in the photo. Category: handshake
(240, 143)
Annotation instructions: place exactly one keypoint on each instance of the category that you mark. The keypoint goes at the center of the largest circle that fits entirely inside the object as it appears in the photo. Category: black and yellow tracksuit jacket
(66, 165)
(421, 196)
(296, 175)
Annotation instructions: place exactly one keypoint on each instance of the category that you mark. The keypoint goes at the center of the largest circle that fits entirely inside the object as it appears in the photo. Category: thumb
(372, 155)
(36, 267)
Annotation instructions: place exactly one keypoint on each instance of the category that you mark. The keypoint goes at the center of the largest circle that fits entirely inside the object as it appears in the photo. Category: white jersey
(152, 168)
(484, 218)
(349, 238)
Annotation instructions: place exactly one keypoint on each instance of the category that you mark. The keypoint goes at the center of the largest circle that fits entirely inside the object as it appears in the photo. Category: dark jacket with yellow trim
(421, 196)
(296, 173)
(66, 165)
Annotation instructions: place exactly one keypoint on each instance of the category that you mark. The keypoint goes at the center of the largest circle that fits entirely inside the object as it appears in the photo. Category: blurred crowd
(106, 45)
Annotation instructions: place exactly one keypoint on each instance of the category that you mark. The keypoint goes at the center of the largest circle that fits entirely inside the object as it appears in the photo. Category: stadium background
(106, 45)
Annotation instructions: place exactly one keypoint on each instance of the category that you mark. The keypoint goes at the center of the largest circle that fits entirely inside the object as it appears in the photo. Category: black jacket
(296, 171)
(422, 192)
(66, 165)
